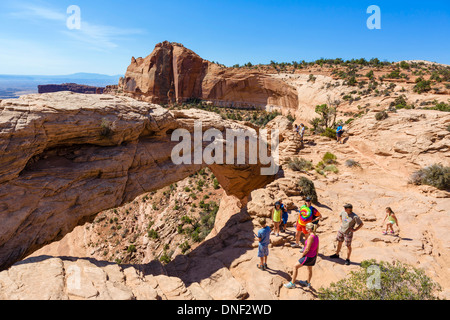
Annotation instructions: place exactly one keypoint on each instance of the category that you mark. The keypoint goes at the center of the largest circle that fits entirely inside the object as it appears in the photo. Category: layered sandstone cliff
(173, 73)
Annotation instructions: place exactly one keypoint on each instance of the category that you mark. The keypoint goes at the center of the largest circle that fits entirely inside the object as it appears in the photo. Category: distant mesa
(72, 87)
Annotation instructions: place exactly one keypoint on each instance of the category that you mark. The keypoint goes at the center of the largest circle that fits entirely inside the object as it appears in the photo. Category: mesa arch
(66, 157)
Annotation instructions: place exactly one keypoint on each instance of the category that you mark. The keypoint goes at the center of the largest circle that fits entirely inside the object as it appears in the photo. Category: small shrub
(422, 85)
(440, 106)
(398, 281)
(404, 65)
(195, 235)
(349, 121)
(329, 133)
(400, 103)
(187, 220)
(152, 234)
(131, 249)
(436, 175)
(316, 123)
(381, 116)
(107, 128)
(319, 168)
(185, 247)
(329, 158)
(308, 188)
(331, 168)
(352, 163)
(299, 164)
(165, 258)
(291, 118)
(352, 81)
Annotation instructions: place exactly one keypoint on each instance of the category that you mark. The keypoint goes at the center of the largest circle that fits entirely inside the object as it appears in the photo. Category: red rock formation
(173, 73)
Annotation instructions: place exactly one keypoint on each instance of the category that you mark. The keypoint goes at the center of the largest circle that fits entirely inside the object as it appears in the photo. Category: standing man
(349, 220)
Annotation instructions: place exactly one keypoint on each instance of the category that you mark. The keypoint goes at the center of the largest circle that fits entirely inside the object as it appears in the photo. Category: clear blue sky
(34, 38)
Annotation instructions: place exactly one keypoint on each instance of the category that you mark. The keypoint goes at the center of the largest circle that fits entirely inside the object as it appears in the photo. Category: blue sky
(34, 38)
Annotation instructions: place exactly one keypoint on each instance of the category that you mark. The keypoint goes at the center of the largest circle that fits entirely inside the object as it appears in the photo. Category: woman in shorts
(308, 259)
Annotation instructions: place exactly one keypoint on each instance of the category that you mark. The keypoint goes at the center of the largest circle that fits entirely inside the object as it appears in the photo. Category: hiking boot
(289, 285)
(334, 256)
(347, 262)
(305, 284)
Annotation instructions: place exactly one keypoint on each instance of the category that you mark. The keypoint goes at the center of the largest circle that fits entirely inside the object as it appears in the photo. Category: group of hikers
(307, 224)
(300, 130)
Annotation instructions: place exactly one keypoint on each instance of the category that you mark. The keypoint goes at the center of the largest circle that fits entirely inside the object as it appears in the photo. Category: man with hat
(349, 220)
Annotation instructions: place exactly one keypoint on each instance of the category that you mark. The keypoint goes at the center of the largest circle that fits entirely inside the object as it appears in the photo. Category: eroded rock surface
(173, 73)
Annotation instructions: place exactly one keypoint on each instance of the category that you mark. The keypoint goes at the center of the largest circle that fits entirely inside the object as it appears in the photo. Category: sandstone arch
(66, 157)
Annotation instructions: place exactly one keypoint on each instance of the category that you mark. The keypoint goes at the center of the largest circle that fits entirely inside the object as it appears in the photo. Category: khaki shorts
(345, 237)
